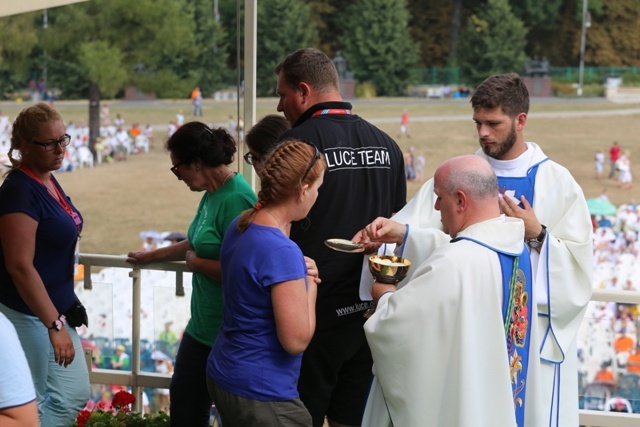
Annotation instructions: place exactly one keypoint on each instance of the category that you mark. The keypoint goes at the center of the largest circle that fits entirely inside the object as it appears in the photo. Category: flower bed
(120, 415)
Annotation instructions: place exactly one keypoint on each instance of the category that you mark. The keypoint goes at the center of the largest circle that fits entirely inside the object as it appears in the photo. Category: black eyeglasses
(51, 145)
(316, 156)
(175, 170)
(251, 158)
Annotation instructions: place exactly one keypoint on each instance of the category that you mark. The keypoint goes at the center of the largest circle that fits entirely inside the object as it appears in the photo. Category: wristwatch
(534, 243)
(57, 324)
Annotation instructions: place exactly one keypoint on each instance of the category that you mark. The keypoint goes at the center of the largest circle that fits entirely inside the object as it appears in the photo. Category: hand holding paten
(384, 230)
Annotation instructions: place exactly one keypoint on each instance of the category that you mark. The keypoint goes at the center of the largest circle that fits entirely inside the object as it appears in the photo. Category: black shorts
(336, 374)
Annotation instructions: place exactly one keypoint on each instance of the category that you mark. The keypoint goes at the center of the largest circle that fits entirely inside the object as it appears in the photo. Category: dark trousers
(336, 374)
(190, 402)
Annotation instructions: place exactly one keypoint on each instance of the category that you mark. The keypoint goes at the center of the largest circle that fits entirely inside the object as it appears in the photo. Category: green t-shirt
(214, 214)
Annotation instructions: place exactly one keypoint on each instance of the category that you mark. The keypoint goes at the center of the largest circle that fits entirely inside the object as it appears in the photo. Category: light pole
(45, 24)
(586, 23)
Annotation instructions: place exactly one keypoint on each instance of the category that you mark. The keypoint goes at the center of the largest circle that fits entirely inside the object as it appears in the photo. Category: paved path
(467, 117)
(550, 114)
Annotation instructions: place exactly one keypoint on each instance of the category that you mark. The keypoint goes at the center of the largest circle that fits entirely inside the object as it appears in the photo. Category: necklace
(226, 178)
(274, 217)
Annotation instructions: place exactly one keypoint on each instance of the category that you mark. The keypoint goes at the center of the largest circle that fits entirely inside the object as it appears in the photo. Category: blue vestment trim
(516, 313)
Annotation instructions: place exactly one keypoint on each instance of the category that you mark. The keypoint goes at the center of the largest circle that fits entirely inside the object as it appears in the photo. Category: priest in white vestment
(557, 227)
(438, 343)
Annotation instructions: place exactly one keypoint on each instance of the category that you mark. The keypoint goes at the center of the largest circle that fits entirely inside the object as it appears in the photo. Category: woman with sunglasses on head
(270, 295)
(201, 157)
(39, 234)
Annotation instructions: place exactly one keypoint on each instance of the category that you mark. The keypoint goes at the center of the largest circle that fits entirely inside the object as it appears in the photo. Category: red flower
(122, 400)
(83, 417)
(103, 406)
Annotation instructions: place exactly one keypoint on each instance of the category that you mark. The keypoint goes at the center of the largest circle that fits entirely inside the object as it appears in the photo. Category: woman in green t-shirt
(200, 157)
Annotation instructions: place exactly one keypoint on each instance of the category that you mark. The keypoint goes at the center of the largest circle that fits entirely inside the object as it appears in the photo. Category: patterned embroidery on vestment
(518, 322)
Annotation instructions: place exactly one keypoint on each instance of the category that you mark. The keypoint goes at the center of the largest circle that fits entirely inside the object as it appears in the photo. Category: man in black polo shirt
(365, 179)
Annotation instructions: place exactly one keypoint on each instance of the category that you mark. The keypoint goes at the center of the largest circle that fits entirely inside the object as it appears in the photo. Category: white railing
(611, 419)
(137, 379)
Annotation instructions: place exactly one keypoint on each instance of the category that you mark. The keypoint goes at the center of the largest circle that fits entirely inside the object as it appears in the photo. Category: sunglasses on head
(316, 156)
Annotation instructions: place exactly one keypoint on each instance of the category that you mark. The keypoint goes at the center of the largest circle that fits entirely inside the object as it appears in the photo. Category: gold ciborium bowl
(388, 269)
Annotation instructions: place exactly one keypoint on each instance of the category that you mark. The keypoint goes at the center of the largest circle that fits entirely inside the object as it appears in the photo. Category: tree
(207, 66)
(540, 18)
(323, 16)
(116, 42)
(283, 27)
(536, 13)
(377, 44)
(614, 36)
(18, 39)
(493, 42)
(228, 10)
(428, 25)
(110, 75)
(556, 43)
(436, 24)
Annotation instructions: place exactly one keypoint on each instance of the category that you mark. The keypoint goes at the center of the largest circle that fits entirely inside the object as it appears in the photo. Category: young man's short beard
(504, 147)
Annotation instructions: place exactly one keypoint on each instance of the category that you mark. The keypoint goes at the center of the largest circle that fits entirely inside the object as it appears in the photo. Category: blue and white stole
(516, 315)
(520, 186)
(517, 187)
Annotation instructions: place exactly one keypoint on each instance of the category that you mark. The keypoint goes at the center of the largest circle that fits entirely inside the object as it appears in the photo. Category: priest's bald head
(467, 193)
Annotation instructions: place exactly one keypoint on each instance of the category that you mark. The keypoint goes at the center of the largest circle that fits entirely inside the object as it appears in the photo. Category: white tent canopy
(8, 8)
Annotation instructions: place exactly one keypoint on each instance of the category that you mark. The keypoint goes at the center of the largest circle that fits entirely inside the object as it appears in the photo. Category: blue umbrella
(599, 206)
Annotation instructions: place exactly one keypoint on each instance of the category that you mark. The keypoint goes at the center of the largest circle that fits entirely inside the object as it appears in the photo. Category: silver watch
(534, 243)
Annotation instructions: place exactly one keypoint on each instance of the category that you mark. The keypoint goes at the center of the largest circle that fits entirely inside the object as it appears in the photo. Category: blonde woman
(40, 230)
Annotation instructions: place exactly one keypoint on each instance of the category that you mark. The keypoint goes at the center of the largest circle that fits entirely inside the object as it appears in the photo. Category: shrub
(630, 79)
(563, 89)
(569, 90)
(366, 90)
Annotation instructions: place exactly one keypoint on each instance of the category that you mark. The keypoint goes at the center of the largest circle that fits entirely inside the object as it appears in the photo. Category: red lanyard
(331, 111)
(62, 201)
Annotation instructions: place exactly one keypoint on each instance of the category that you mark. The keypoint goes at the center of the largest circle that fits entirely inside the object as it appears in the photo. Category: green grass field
(119, 200)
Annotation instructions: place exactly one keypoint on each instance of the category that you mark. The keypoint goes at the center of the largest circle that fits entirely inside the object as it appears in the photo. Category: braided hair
(291, 165)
